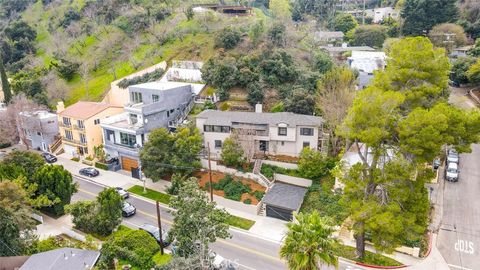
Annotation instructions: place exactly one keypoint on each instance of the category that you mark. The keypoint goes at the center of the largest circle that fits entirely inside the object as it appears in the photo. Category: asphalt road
(459, 235)
(243, 249)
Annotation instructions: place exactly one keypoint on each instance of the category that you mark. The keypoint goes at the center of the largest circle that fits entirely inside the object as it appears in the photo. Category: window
(68, 135)
(80, 124)
(110, 135)
(136, 97)
(66, 121)
(306, 144)
(155, 98)
(282, 131)
(133, 118)
(225, 129)
(219, 129)
(83, 138)
(168, 114)
(208, 128)
(96, 121)
(306, 131)
(128, 139)
(283, 143)
(85, 150)
(218, 144)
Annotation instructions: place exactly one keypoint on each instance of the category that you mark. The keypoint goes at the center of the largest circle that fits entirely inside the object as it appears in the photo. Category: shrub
(233, 188)
(247, 201)
(75, 159)
(313, 164)
(5, 145)
(102, 166)
(147, 77)
(258, 194)
(232, 152)
(228, 38)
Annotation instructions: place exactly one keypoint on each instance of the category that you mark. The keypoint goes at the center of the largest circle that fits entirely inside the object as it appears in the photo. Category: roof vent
(258, 108)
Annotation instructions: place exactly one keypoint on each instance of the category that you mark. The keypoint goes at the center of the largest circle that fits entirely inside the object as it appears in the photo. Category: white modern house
(282, 133)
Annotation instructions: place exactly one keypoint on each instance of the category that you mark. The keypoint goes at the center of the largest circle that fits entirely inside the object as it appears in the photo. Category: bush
(269, 170)
(233, 188)
(5, 145)
(247, 201)
(258, 194)
(147, 77)
(102, 166)
(232, 152)
(75, 159)
(228, 38)
(314, 164)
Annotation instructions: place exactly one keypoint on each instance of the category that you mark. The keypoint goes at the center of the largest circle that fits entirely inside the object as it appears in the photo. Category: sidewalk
(265, 227)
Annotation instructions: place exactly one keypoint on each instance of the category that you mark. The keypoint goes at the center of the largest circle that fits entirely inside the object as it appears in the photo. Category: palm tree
(309, 244)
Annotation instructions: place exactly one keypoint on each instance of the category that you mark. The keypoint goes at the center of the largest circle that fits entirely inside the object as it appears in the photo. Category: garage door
(279, 213)
(129, 163)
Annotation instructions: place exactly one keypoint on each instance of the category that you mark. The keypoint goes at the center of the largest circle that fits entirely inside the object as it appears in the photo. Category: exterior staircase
(257, 166)
(56, 147)
(256, 170)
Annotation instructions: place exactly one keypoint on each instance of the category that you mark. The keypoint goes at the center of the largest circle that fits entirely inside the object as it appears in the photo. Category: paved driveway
(459, 234)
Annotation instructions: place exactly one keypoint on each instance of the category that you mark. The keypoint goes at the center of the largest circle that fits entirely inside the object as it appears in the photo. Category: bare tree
(12, 124)
(246, 138)
(57, 88)
(336, 92)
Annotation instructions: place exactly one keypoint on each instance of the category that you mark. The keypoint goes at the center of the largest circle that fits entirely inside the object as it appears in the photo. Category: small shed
(283, 199)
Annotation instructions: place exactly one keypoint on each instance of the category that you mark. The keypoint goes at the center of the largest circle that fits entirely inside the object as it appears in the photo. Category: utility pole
(160, 227)
(363, 17)
(210, 172)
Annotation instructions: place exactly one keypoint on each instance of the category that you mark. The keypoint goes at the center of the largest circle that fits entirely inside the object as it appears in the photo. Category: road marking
(458, 267)
(464, 246)
(88, 192)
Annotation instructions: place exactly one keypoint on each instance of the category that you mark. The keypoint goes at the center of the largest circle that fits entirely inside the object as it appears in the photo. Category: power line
(13, 251)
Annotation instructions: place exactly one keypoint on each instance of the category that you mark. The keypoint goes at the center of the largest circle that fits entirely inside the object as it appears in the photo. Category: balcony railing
(65, 139)
(64, 125)
(77, 127)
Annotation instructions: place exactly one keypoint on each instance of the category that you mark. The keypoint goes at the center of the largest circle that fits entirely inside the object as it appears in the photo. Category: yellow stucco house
(79, 125)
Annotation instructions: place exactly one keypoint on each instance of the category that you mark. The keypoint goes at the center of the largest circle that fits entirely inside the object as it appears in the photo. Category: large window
(128, 139)
(110, 135)
(155, 98)
(218, 144)
(306, 131)
(282, 131)
(66, 121)
(219, 129)
(136, 97)
(83, 138)
(80, 124)
(68, 135)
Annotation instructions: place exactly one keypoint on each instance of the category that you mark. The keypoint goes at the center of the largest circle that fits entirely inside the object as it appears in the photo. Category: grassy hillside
(106, 51)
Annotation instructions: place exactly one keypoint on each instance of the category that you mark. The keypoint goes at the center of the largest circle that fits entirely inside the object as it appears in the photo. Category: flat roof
(62, 258)
(85, 109)
(346, 49)
(285, 196)
(226, 118)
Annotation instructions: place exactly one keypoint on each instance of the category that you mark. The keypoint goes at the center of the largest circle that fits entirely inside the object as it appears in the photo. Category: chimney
(258, 108)
(60, 107)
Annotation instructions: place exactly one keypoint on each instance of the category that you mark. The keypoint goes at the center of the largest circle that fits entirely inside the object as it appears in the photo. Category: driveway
(459, 234)
(459, 97)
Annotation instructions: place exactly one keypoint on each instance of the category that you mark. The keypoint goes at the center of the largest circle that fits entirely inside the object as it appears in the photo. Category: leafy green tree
(390, 123)
(11, 242)
(221, 73)
(165, 152)
(309, 243)
(473, 73)
(189, 13)
(7, 93)
(196, 220)
(368, 35)
(232, 152)
(313, 164)
(277, 34)
(228, 38)
(323, 10)
(281, 8)
(176, 182)
(30, 162)
(344, 22)
(420, 16)
(460, 67)
(256, 32)
(322, 62)
(101, 216)
(393, 27)
(300, 102)
(475, 51)
(54, 187)
(438, 35)
(255, 94)
(277, 67)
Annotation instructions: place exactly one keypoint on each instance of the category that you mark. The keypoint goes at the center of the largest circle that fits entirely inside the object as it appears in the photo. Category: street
(243, 249)
(459, 234)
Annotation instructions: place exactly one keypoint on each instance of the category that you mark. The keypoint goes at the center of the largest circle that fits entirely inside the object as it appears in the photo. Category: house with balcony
(38, 129)
(152, 105)
(79, 125)
(281, 133)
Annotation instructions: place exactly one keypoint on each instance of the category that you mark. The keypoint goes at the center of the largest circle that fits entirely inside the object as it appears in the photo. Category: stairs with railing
(56, 147)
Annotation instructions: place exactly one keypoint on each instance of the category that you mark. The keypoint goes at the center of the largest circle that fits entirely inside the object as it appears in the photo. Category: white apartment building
(272, 133)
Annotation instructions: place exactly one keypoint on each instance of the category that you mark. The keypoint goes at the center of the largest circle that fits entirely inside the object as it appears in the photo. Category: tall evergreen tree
(7, 94)
(422, 15)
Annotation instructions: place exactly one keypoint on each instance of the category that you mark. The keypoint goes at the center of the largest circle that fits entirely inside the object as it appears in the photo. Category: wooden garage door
(128, 164)
(279, 213)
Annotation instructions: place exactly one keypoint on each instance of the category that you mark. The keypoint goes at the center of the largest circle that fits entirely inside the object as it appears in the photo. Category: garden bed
(269, 170)
(254, 195)
(283, 158)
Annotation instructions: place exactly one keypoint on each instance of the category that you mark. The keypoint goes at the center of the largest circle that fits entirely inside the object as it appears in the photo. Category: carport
(283, 199)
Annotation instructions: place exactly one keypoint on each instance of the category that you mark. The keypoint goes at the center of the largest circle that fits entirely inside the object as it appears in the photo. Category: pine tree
(7, 94)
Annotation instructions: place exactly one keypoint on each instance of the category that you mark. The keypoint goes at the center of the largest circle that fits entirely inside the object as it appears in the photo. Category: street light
(140, 177)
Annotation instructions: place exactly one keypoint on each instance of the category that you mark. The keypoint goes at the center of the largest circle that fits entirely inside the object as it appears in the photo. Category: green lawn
(234, 221)
(161, 259)
(240, 222)
(370, 257)
(151, 194)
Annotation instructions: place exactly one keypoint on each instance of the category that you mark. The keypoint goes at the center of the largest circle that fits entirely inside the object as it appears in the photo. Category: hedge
(75, 159)
(102, 166)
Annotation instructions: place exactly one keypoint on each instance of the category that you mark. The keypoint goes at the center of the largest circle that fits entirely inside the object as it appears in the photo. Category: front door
(263, 146)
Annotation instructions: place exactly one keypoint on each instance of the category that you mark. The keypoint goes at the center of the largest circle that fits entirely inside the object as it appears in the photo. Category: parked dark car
(122, 192)
(49, 158)
(128, 209)
(436, 163)
(153, 231)
(90, 172)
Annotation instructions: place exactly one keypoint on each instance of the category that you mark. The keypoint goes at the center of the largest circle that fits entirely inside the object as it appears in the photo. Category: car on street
(122, 192)
(155, 233)
(90, 172)
(218, 261)
(452, 172)
(128, 209)
(49, 158)
(452, 156)
(436, 163)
